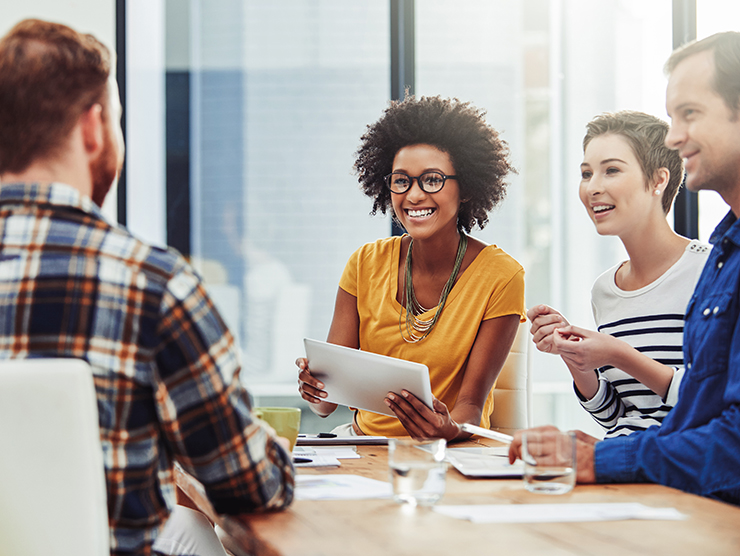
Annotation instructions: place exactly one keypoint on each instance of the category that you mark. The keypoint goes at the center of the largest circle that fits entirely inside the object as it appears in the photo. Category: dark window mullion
(121, 80)
(403, 58)
(686, 207)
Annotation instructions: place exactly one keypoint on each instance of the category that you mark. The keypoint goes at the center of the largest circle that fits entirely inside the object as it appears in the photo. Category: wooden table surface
(384, 528)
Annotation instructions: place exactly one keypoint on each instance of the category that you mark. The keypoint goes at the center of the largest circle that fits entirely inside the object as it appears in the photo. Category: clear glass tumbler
(417, 470)
(549, 461)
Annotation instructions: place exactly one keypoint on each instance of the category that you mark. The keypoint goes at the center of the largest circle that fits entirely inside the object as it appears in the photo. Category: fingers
(543, 339)
(543, 326)
(546, 448)
(515, 448)
(566, 340)
(539, 311)
(417, 418)
(574, 333)
(406, 413)
(546, 320)
(310, 388)
(536, 311)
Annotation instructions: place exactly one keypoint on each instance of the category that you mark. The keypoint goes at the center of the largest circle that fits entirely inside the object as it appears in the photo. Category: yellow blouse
(492, 286)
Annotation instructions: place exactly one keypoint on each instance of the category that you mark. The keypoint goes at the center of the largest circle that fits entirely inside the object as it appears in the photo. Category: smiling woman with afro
(435, 295)
(479, 155)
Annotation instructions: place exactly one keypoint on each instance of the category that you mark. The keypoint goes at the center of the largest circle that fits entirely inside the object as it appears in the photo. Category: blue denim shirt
(697, 449)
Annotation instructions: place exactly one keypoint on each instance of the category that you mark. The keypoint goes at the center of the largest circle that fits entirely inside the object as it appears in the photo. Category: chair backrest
(512, 397)
(52, 480)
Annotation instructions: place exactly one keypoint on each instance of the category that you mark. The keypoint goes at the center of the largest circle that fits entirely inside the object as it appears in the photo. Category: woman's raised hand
(585, 350)
(545, 320)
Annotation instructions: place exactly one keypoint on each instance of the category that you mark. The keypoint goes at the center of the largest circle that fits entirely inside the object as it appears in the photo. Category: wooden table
(384, 528)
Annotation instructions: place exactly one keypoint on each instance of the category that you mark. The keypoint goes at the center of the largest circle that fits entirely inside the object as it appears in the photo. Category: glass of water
(417, 470)
(549, 461)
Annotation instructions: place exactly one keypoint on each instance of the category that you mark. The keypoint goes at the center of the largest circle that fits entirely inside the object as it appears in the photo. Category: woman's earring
(656, 192)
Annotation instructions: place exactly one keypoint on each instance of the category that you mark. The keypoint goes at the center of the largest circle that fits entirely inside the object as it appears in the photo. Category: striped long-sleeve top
(650, 320)
(74, 285)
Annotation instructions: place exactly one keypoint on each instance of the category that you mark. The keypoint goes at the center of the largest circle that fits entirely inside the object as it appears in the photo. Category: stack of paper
(322, 456)
(541, 513)
(339, 487)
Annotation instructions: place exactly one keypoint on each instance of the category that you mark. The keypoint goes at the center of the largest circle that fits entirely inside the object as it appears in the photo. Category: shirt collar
(56, 194)
(728, 228)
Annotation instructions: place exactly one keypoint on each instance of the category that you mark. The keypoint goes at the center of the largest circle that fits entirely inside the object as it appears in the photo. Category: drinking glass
(549, 461)
(417, 470)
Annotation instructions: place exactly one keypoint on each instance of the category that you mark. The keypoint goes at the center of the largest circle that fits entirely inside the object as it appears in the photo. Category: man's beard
(104, 169)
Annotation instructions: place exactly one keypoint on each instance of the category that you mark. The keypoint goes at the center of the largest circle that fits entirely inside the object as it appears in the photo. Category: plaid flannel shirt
(74, 285)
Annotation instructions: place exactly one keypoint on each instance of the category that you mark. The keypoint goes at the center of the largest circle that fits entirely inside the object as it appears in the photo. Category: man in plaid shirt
(74, 285)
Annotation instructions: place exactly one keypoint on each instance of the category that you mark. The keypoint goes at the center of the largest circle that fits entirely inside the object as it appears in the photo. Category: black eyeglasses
(430, 182)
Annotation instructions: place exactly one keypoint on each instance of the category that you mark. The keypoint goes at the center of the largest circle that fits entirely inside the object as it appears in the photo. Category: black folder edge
(313, 440)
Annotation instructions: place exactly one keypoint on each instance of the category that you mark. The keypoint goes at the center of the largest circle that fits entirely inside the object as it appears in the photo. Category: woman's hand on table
(419, 420)
(311, 390)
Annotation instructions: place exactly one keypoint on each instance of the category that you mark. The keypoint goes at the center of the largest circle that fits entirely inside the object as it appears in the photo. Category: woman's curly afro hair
(479, 156)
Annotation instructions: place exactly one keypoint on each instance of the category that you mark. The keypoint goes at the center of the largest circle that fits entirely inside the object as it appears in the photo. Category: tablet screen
(362, 379)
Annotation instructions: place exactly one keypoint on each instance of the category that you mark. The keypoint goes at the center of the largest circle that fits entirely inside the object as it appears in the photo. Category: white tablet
(362, 379)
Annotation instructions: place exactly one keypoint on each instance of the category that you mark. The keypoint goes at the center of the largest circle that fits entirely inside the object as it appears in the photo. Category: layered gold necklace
(417, 329)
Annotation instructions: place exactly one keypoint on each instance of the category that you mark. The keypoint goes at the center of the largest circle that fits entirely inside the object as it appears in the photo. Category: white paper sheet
(316, 461)
(543, 513)
(323, 456)
(339, 452)
(484, 462)
(340, 487)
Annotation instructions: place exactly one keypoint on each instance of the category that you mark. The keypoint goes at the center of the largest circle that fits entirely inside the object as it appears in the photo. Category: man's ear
(93, 128)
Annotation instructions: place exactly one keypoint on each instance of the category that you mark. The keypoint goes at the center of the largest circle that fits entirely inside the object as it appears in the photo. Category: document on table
(316, 461)
(542, 513)
(339, 452)
(322, 456)
(340, 487)
(333, 440)
(484, 462)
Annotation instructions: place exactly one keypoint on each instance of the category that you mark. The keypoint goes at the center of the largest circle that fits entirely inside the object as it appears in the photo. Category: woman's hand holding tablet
(361, 379)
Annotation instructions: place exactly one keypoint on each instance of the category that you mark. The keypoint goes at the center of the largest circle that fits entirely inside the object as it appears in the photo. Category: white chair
(52, 480)
(512, 397)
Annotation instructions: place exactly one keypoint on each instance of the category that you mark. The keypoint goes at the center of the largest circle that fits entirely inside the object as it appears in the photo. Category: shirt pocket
(709, 335)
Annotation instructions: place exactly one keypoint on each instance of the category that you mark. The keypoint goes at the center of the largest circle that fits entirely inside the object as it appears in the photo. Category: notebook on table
(484, 462)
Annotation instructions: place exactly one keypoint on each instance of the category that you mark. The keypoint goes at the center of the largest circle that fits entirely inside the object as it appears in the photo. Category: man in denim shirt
(697, 449)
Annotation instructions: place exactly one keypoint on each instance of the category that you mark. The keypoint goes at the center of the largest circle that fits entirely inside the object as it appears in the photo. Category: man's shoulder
(158, 262)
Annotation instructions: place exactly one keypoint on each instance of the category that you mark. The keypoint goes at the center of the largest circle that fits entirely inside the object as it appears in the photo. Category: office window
(542, 70)
(266, 104)
(280, 93)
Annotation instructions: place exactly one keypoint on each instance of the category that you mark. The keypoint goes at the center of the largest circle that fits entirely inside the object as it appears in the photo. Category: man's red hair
(49, 75)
